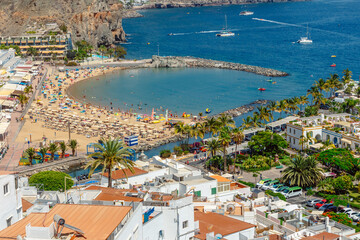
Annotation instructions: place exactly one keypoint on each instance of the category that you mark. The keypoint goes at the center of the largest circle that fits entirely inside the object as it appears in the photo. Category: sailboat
(225, 33)
(305, 40)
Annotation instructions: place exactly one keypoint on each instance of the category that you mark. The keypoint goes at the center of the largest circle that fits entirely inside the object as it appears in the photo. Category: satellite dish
(218, 236)
(230, 207)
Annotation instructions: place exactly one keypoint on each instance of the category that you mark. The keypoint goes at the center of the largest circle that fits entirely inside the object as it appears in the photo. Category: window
(8, 221)
(222, 187)
(197, 193)
(293, 140)
(213, 190)
(185, 224)
(6, 188)
(294, 132)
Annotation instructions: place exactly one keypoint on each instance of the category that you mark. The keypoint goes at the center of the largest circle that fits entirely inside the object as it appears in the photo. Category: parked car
(276, 186)
(331, 209)
(312, 202)
(292, 192)
(345, 210)
(281, 189)
(355, 217)
(268, 185)
(319, 205)
(350, 213)
(325, 206)
(262, 182)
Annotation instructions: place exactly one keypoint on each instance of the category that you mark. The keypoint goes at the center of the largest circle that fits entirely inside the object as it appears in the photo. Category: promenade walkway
(12, 157)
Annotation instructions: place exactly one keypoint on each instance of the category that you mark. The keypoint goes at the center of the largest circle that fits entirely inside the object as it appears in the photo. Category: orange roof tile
(323, 236)
(161, 197)
(6, 172)
(217, 223)
(96, 221)
(112, 197)
(220, 178)
(125, 173)
(25, 204)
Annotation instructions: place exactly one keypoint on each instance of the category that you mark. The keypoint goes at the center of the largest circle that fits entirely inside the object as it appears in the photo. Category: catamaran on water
(305, 40)
(225, 32)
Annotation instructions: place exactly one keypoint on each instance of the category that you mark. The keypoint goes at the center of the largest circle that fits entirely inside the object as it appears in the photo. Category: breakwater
(176, 62)
(236, 112)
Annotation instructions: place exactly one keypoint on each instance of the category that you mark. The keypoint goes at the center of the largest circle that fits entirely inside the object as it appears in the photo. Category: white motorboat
(246, 13)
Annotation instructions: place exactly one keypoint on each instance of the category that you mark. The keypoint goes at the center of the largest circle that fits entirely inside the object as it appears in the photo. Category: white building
(10, 200)
(6, 55)
(173, 219)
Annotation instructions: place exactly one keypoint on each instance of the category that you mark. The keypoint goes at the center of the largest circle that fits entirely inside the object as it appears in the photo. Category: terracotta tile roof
(125, 173)
(97, 222)
(157, 196)
(6, 172)
(25, 204)
(217, 223)
(323, 236)
(112, 197)
(220, 178)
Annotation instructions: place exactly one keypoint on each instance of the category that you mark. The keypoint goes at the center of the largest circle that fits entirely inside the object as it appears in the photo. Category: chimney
(327, 225)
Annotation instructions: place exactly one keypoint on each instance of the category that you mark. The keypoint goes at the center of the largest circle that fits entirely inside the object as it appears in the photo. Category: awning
(345, 141)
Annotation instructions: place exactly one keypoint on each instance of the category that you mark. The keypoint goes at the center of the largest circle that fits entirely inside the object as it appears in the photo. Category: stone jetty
(235, 112)
(176, 62)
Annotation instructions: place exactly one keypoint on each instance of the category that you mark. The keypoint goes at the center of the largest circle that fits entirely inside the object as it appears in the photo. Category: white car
(351, 213)
(262, 182)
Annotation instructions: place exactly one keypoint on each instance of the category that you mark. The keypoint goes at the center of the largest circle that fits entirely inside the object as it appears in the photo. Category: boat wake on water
(201, 32)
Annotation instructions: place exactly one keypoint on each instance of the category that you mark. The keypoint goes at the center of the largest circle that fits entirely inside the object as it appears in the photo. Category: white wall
(205, 188)
(293, 134)
(10, 203)
(133, 228)
(249, 233)
(171, 220)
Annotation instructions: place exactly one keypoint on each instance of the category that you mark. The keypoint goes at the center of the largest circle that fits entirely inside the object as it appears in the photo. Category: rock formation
(96, 21)
(199, 3)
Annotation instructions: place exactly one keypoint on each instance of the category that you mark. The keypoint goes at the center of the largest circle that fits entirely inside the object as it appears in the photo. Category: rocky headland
(176, 62)
(200, 3)
(96, 21)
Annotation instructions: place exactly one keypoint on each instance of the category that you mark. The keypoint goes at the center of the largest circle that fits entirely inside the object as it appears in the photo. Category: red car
(319, 205)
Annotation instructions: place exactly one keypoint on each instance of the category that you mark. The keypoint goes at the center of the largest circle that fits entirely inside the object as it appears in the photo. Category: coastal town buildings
(47, 46)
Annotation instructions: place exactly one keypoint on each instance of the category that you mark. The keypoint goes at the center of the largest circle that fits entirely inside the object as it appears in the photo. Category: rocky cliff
(97, 21)
(199, 3)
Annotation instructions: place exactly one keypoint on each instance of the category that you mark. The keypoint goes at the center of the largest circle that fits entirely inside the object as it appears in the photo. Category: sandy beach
(54, 112)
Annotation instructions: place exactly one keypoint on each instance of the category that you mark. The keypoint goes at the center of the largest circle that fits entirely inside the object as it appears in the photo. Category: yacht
(225, 32)
(246, 13)
(305, 40)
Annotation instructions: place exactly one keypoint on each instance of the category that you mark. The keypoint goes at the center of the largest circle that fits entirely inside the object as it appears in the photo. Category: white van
(292, 192)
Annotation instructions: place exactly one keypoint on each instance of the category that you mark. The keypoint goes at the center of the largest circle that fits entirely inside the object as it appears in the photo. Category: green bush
(267, 143)
(70, 64)
(178, 151)
(339, 158)
(250, 184)
(285, 161)
(51, 180)
(257, 163)
(279, 195)
(165, 153)
(186, 152)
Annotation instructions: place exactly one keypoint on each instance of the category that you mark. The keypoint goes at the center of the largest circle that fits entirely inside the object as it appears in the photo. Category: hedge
(279, 195)
(51, 180)
(250, 184)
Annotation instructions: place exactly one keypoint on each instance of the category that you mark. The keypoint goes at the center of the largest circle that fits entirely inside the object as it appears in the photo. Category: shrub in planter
(165, 153)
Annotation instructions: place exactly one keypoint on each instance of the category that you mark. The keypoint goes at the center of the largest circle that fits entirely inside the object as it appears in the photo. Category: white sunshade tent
(4, 130)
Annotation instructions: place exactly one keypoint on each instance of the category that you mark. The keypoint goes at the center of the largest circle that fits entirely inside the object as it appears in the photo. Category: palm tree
(264, 114)
(53, 148)
(333, 83)
(198, 130)
(321, 85)
(225, 120)
(350, 104)
(313, 91)
(63, 149)
(247, 122)
(28, 89)
(213, 146)
(302, 172)
(102, 50)
(30, 153)
(112, 153)
(43, 152)
(347, 76)
(293, 104)
(212, 126)
(303, 100)
(225, 140)
(237, 136)
(272, 106)
(358, 92)
(31, 51)
(282, 106)
(183, 129)
(255, 120)
(73, 144)
(23, 99)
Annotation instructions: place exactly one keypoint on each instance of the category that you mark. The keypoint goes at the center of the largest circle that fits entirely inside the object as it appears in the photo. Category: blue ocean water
(333, 25)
